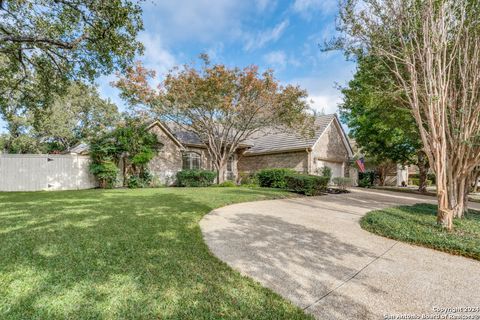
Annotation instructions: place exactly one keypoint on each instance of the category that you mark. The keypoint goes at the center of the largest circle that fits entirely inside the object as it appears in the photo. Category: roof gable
(275, 141)
(336, 122)
(166, 131)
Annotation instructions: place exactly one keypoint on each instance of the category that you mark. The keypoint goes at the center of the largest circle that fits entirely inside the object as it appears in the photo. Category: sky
(282, 35)
(278, 34)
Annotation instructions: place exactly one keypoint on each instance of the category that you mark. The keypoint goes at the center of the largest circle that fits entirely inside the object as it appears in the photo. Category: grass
(417, 225)
(124, 254)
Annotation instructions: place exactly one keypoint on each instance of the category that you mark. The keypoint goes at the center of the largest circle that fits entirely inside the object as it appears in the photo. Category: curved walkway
(313, 252)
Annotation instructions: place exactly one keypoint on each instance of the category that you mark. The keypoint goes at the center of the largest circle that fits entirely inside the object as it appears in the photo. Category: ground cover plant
(124, 254)
(417, 224)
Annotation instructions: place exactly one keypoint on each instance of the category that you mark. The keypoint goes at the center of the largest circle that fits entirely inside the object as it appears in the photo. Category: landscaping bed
(124, 254)
(417, 225)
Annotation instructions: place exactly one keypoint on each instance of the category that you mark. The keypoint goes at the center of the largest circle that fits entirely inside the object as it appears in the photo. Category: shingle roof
(79, 148)
(185, 137)
(278, 140)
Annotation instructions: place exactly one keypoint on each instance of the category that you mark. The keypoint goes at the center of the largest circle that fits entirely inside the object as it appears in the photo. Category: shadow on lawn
(119, 254)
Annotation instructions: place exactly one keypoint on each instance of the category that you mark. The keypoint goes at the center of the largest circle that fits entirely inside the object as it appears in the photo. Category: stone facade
(330, 151)
(168, 161)
(295, 160)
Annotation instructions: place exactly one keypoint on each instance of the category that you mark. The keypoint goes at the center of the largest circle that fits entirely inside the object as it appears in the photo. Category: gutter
(252, 154)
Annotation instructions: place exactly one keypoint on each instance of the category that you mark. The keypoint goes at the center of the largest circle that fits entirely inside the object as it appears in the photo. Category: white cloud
(322, 90)
(276, 59)
(310, 8)
(156, 56)
(327, 103)
(199, 20)
(262, 38)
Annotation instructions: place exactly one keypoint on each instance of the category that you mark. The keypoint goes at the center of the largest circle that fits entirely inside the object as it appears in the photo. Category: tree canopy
(222, 106)
(78, 114)
(44, 43)
(376, 114)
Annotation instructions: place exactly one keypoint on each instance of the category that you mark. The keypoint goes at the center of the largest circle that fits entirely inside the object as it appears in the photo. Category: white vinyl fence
(33, 172)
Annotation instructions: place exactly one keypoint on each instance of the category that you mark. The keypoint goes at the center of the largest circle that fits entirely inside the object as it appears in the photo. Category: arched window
(190, 161)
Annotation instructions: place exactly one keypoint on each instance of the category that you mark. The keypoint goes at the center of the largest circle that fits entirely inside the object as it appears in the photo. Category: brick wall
(294, 160)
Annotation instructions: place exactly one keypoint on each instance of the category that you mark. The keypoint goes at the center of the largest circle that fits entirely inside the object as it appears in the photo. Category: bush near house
(227, 184)
(106, 173)
(342, 183)
(416, 182)
(309, 185)
(195, 178)
(274, 178)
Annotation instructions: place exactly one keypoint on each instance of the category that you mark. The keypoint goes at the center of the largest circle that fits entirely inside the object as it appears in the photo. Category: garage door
(337, 168)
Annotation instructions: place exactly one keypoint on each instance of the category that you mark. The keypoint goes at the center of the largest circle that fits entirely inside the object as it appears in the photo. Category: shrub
(326, 172)
(342, 183)
(248, 179)
(106, 173)
(366, 179)
(195, 178)
(273, 178)
(227, 184)
(309, 185)
(416, 182)
(143, 180)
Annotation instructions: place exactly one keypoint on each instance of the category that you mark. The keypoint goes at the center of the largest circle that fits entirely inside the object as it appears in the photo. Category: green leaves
(376, 114)
(65, 40)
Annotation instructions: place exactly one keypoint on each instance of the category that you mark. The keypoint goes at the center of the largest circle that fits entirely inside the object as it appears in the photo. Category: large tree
(433, 48)
(52, 41)
(76, 115)
(223, 106)
(374, 110)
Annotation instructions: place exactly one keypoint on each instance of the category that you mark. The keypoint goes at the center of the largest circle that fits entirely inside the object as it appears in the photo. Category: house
(270, 149)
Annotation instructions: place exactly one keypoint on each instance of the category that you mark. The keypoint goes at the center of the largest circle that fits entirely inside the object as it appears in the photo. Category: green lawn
(417, 224)
(123, 254)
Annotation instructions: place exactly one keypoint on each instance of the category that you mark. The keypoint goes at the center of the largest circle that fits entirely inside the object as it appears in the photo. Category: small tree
(131, 143)
(222, 106)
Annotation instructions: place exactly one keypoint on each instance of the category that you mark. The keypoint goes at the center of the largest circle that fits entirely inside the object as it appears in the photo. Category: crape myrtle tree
(384, 129)
(433, 48)
(223, 106)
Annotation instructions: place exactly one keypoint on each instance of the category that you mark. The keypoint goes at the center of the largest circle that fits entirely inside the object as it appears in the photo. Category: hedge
(273, 178)
(195, 178)
(416, 182)
(306, 184)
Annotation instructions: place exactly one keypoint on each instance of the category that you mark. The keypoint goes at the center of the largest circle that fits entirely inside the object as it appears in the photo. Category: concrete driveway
(313, 252)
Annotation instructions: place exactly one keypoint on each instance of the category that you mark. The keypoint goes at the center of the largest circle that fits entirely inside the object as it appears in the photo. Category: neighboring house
(271, 149)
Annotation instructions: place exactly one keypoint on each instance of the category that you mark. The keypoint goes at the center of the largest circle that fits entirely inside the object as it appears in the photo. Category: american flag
(361, 164)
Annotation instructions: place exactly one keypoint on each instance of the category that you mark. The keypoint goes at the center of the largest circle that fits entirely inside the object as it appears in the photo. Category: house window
(190, 161)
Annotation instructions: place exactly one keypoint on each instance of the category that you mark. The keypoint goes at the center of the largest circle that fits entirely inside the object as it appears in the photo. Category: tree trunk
(475, 181)
(445, 212)
(460, 206)
(221, 172)
(422, 171)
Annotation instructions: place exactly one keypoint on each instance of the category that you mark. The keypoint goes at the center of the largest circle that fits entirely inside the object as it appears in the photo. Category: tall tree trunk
(422, 164)
(221, 171)
(444, 191)
(460, 207)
